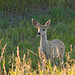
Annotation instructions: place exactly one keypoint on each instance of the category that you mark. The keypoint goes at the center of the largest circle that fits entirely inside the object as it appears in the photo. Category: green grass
(17, 29)
(25, 5)
(21, 32)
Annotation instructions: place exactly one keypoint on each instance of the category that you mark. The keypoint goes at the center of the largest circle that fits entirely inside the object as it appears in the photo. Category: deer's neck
(43, 42)
(43, 38)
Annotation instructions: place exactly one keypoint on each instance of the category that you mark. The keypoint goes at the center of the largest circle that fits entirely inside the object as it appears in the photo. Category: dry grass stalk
(3, 58)
(39, 66)
(3, 50)
(32, 52)
(53, 58)
(28, 54)
(18, 56)
(1, 41)
(13, 60)
(21, 67)
(4, 66)
(71, 50)
(42, 58)
(24, 57)
(24, 67)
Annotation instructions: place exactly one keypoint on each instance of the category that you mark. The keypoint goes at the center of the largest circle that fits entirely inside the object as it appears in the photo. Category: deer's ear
(35, 23)
(48, 23)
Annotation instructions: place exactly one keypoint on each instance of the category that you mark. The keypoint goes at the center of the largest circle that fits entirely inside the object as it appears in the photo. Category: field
(19, 54)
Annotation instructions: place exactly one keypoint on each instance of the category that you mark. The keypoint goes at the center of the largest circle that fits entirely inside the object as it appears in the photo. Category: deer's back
(57, 46)
(59, 43)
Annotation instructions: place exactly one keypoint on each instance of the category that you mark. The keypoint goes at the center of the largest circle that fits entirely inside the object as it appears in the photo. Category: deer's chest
(44, 47)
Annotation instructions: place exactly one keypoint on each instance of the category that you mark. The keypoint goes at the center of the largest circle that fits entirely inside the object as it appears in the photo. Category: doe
(49, 48)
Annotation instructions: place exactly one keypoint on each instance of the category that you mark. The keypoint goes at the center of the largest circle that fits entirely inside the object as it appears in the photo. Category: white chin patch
(38, 35)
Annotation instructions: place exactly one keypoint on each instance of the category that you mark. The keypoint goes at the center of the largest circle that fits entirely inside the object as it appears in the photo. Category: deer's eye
(43, 29)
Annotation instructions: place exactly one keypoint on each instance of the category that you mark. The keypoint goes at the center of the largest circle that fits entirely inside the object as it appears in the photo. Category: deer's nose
(39, 33)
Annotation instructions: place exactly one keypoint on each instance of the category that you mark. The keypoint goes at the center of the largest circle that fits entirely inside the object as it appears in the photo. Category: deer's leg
(62, 62)
(55, 62)
(42, 63)
(41, 57)
(43, 60)
(61, 57)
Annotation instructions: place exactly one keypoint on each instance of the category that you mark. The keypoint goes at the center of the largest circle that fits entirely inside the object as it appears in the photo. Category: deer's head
(41, 28)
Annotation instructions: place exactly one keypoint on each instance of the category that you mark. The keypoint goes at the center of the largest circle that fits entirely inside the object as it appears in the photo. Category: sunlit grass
(23, 67)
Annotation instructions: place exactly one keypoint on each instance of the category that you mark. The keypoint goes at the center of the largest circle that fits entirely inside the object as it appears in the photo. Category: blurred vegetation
(31, 5)
(16, 27)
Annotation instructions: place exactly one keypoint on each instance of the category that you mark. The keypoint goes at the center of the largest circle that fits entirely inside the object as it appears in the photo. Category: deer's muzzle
(38, 33)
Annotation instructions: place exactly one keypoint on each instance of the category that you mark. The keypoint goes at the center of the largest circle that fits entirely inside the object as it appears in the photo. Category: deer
(52, 48)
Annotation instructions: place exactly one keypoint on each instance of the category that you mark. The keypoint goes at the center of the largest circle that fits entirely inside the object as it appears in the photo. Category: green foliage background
(16, 27)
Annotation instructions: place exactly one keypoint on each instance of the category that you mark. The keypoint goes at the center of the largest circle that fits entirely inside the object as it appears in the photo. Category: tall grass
(16, 29)
(23, 67)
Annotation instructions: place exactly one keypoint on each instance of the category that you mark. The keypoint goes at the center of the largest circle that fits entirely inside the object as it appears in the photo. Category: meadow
(19, 54)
